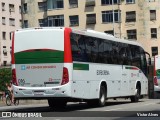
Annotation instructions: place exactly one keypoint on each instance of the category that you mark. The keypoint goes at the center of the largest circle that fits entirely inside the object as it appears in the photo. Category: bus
(62, 64)
(157, 73)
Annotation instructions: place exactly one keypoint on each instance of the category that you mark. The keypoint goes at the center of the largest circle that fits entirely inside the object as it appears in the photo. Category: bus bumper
(40, 92)
(157, 88)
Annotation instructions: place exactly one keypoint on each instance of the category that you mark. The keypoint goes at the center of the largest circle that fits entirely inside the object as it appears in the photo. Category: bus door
(124, 55)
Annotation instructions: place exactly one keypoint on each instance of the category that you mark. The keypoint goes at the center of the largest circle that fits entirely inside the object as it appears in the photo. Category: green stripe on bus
(132, 68)
(80, 66)
(39, 57)
(158, 72)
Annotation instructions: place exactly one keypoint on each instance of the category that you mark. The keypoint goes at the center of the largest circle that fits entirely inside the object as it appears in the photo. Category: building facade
(10, 20)
(137, 20)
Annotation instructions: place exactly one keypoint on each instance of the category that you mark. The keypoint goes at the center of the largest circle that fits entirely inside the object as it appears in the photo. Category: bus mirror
(149, 61)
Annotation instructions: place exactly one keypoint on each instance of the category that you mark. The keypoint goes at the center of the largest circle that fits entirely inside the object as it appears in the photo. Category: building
(127, 19)
(10, 20)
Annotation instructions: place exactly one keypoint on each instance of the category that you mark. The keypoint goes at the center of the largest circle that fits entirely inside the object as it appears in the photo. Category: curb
(26, 102)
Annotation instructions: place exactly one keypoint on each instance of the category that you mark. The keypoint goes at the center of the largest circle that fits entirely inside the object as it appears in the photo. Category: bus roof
(87, 32)
(104, 36)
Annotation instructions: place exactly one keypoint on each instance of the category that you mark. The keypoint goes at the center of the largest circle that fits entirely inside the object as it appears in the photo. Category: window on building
(154, 51)
(25, 8)
(5, 63)
(131, 16)
(42, 6)
(130, 1)
(4, 51)
(151, 0)
(11, 21)
(57, 20)
(55, 4)
(4, 35)
(109, 2)
(107, 16)
(132, 34)
(109, 32)
(11, 8)
(10, 35)
(74, 20)
(20, 23)
(20, 9)
(10, 50)
(3, 20)
(152, 14)
(25, 24)
(3, 6)
(153, 32)
(43, 22)
(91, 19)
(90, 3)
(73, 3)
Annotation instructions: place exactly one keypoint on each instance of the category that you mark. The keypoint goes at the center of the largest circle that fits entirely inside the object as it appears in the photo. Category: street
(117, 109)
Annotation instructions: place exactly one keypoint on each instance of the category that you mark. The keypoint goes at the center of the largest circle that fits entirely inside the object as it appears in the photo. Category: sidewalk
(26, 102)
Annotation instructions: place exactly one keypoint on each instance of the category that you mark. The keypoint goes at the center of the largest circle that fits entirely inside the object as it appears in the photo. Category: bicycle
(9, 99)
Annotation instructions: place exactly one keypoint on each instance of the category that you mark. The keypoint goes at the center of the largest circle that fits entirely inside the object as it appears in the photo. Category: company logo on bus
(23, 67)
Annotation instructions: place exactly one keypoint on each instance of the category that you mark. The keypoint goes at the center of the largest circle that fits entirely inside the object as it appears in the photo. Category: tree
(5, 77)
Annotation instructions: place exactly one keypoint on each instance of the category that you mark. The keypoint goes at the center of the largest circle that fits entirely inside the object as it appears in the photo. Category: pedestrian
(10, 88)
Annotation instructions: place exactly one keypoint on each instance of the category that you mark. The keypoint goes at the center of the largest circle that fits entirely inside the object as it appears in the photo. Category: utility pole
(113, 17)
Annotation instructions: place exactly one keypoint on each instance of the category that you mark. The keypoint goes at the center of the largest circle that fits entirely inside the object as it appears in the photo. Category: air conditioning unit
(4, 51)
(74, 6)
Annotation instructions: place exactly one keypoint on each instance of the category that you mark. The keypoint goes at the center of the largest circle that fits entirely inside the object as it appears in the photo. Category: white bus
(157, 73)
(65, 64)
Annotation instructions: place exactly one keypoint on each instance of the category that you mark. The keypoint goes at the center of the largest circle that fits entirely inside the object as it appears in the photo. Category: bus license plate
(38, 92)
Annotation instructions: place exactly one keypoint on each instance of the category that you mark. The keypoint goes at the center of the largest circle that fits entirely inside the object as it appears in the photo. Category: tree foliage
(5, 77)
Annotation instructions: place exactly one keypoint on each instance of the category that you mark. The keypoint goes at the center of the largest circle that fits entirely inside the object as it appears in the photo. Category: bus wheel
(100, 102)
(136, 97)
(55, 103)
(102, 97)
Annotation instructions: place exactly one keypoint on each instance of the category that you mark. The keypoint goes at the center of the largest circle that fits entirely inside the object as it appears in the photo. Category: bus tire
(100, 102)
(102, 97)
(136, 97)
(56, 103)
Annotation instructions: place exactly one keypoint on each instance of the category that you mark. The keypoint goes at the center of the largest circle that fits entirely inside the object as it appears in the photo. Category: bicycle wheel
(8, 101)
(16, 102)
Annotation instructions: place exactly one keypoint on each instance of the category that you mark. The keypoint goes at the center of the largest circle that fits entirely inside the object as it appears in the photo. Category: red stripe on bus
(134, 68)
(67, 46)
(13, 60)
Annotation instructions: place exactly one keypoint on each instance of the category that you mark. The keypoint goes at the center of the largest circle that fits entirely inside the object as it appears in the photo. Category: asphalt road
(114, 109)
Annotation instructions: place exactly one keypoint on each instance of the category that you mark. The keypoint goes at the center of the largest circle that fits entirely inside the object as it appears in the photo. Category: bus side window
(107, 52)
(115, 53)
(94, 50)
(78, 48)
(143, 62)
(129, 56)
(122, 54)
(135, 55)
(88, 45)
(75, 49)
(100, 51)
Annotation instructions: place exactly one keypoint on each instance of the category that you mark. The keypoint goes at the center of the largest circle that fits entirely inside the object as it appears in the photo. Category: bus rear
(157, 73)
(39, 69)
